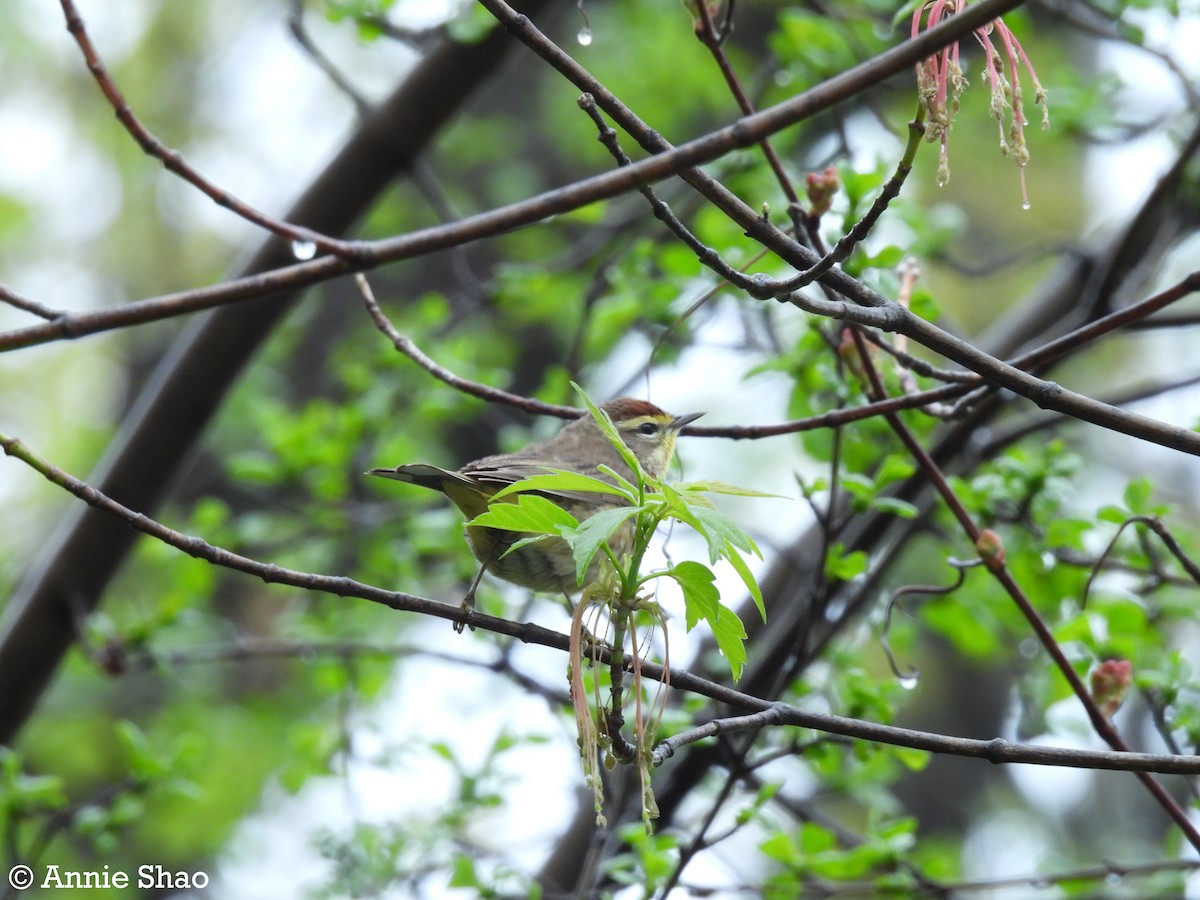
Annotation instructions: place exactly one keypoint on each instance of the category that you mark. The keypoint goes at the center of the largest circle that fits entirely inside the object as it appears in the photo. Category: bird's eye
(647, 428)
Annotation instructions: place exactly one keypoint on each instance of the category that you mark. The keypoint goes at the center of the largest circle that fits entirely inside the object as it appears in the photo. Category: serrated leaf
(525, 542)
(721, 526)
(529, 513)
(586, 539)
(730, 636)
(700, 595)
(561, 481)
(608, 429)
(682, 509)
(721, 487)
(622, 482)
(748, 579)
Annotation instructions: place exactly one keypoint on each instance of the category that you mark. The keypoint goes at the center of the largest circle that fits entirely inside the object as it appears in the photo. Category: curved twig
(930, 590)
(1154, 524)
(174, 162)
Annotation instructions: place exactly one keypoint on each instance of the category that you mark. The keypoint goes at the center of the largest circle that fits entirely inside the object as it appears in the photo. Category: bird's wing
(423, 475)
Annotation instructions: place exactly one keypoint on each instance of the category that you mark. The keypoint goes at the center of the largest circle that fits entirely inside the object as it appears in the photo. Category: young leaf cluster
(646, 503)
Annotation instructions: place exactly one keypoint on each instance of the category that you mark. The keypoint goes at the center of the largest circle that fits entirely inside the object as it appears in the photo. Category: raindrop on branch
(304, 250)
(584, 37)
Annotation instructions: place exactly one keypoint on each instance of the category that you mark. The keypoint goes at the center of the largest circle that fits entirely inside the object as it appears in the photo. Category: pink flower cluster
(940, 82)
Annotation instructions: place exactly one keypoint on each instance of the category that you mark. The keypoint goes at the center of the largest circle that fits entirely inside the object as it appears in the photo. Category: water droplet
(909, 680)
(584, 37)
(835, 609)
(303, 250)
(1026, 204)
(1113, 878)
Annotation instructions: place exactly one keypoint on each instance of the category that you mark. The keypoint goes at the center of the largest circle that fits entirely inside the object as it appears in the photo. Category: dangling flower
(940, 82)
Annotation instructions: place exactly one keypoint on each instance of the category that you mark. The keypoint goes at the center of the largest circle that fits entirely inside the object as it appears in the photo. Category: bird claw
(468, 607)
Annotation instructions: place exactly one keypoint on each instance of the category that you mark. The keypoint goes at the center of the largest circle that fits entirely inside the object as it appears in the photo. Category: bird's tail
(466, 493)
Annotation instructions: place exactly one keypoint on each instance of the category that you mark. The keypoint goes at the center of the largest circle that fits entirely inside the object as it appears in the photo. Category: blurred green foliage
(172, 723)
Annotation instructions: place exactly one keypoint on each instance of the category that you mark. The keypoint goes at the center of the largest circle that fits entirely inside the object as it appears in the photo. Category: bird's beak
(679, 421)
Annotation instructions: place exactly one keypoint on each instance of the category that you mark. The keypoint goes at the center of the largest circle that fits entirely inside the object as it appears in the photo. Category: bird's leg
(468, 603)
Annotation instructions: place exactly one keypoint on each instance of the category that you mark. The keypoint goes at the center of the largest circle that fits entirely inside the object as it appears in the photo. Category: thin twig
(1154, 524)
(173, 160)
(1102, 724)
(13, 299)
(714, 39)
(299, 31)
(405, 345)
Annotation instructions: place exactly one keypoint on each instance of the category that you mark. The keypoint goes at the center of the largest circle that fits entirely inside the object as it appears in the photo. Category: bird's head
(648, 431)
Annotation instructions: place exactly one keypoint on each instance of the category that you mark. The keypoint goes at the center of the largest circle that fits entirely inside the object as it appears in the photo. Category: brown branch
(15, 300)
(864, 305)
(995, 751)
(1154, 524)
(882, 314)
(668, 162)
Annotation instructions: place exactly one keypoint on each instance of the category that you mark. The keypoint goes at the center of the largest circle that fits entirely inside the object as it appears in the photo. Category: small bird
(580, 447)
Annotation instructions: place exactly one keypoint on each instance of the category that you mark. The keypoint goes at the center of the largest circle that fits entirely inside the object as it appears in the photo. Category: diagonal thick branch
(38, 624)
(667, 162)
(762, 712)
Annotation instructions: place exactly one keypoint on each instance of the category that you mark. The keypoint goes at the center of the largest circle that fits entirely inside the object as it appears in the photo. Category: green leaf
(749, 580)
(683, 509)
(1137, 495)
(1113, 514)
(893, 468)
(609, 430)
(914, 760)
(463, 872)
(816, 838)
(471, 27)
(561, 481)
(780, 847)
(895, 506)
(622, 482)
(700, 596)
(721, 487)
(586, 538)
(530, 513)
(719, 529)
(730, 635)
(844, 566)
